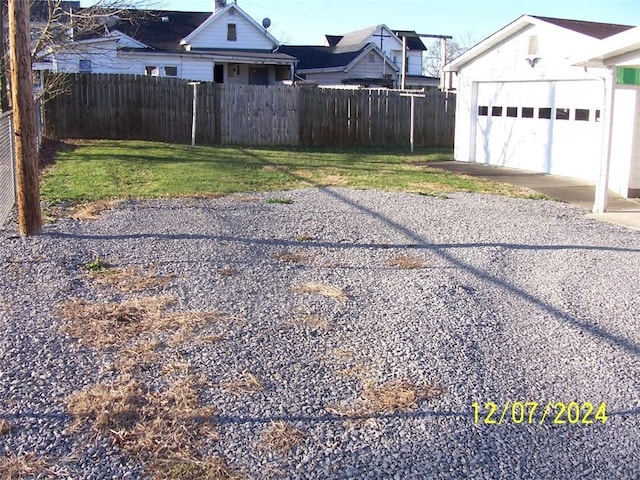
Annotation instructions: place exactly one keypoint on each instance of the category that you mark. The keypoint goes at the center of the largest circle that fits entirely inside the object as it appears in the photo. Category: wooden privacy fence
(153, 108)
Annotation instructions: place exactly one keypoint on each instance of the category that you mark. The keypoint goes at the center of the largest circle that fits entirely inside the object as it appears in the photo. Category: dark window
(527, 112)
(597, 115)
(218, 73)
(544, 113)
(483, 111)
(562, 113)
(582, 114)
(512, 111)
(151, 70)
(258, 76)
(496, 111)
(232, 35)
(171, 71)
(85, 66)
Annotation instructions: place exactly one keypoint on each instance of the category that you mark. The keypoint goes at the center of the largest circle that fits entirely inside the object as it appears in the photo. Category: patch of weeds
(290, 257)
(312, 321)
(323, 290)
(227, 271)
(279, 200)
(282, 437)
(161, 428)
(304, 238)
(405, 262)
(27, 465)
(192, 469)
(441, 196)
(91, 210)
(5, 427)
(141, 355)
(102, 325)
(130, 279)
(391, 397)
(97, 265)
(246, 384)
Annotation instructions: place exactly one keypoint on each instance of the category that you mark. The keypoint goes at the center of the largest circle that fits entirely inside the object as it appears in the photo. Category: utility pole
(24, 124)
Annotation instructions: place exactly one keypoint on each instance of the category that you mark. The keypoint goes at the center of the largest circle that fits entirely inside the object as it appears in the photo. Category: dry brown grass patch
(312, 321)
(291, 257)
(405, 262)
(390, 397)
(92, 210)
(15, 467)
(193, 469)
(282, 437)
(131, 279)
(246, 384)
(5, 427)
(322, 289)
(161, 428)
(102, 325)
(227, 271)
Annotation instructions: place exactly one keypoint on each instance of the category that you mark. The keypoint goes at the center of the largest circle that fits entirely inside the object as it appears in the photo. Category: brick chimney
(219, 5)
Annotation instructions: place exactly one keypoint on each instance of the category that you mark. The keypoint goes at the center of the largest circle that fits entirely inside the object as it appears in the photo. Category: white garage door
(549, 127)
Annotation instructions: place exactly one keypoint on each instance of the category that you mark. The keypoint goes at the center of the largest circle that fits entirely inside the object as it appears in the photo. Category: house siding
(102, 56)
(189, 68)
(214, 34)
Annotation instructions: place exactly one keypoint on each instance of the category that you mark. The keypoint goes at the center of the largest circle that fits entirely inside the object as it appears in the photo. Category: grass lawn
(99, 170)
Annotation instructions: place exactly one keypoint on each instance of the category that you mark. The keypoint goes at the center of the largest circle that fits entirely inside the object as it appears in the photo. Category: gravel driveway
(327, 300)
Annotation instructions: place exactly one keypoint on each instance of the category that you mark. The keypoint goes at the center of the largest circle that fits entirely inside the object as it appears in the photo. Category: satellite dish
(266, 22)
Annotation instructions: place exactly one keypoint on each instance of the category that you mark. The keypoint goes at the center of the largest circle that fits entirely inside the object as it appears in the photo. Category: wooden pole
(29, 213)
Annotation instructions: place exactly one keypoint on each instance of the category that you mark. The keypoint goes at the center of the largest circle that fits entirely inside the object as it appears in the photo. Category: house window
(533, 45)
(544, 113)
(232, 34)
(512, 111)
(562, 113)
(372, 58)
(597, 115)
(171, 71)
(151, 70)
(496, 111)
(483, 111)
(84, 66)
(582, 114)
(527, 112)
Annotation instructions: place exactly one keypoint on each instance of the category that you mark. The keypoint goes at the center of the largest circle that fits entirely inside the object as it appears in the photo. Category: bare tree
(454, 49)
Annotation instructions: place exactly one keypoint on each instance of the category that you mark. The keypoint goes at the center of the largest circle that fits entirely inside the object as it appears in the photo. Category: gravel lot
(513, 300)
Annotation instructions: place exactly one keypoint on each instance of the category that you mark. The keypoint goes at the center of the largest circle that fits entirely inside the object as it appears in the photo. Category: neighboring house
(522, 103)
(359, 65)
(358, 58)
(226, 46)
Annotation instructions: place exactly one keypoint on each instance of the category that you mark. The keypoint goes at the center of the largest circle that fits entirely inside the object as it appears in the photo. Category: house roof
(413, 42)
(594, 30)
(321, 57)
(623, 48)
(161, 29)
(326, 58)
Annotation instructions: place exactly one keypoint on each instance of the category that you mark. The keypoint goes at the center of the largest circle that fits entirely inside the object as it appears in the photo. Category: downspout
(602, 184)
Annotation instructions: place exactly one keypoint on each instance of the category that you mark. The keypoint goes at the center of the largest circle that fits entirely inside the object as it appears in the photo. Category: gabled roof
(593, 30)
(232, 6)
(329, 58)
(161, 29)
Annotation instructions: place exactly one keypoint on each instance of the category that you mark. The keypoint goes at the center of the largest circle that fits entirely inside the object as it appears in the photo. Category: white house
(226, 46)
(522, 101)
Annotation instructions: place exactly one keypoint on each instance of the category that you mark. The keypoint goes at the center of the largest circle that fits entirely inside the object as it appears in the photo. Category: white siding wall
(370, 67)
(625, 142)
(214, 34)
(102, 56)
(414, 65)
(191, 68)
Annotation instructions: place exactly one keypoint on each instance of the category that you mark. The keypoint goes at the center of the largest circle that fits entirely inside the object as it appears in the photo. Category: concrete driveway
(620, 211)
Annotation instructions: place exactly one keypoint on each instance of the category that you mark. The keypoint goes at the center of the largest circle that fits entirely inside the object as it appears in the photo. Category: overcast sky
(302, 22)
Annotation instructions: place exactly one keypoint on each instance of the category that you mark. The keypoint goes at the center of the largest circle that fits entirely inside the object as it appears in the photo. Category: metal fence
(7, 166)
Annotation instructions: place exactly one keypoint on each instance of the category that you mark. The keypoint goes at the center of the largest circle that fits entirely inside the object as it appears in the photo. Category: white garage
(522, 104)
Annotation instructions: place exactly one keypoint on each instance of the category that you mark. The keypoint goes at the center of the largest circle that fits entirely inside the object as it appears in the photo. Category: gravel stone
(517, 301)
